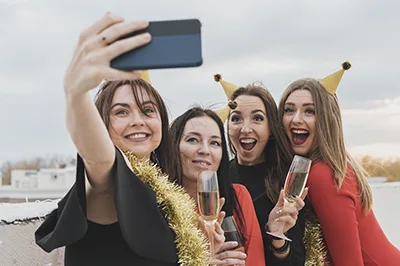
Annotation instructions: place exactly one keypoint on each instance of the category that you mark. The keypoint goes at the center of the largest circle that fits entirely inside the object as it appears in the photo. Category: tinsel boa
(180, 212)
(313, 239)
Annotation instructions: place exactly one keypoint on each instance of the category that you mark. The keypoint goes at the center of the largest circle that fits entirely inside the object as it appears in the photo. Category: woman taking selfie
(121, 210)
(339, 193)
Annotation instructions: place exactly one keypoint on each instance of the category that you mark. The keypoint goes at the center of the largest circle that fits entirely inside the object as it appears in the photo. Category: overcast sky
(274, 42)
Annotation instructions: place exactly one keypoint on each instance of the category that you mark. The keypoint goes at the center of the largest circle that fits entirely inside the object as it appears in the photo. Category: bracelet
(280, 250)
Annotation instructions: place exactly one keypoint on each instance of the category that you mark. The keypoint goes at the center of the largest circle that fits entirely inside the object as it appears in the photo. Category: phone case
(174, 44)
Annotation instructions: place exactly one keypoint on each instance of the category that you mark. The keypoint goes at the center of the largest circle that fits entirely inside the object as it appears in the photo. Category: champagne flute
(296, 180)
(232, 233)
(208, 202)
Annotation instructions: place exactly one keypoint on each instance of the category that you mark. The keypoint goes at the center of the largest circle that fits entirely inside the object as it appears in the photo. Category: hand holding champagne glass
(296, 180)
(208, 202)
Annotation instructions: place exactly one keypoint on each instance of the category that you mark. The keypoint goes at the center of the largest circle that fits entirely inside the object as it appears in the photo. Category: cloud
(374, 130)
(274, 42)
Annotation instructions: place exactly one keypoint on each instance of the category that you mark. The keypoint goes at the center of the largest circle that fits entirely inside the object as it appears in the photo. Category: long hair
(277, 151)
(225, 185)
(329, 132)
(103, 102)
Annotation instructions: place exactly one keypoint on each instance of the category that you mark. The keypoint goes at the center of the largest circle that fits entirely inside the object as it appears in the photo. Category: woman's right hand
(91, 60)
(285, 214)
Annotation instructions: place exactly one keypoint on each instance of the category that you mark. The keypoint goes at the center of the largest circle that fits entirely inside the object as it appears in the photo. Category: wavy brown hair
(164, 155)
(277, 151)
(329, 131)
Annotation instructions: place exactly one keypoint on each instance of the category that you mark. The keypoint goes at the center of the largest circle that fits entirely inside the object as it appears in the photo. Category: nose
(204, 149)
(136, 119)
(246, 129)
(297, 118)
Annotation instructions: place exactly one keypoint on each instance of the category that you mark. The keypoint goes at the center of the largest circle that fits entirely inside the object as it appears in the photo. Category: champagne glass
(232, 233)
(296, 180)
(208, 202)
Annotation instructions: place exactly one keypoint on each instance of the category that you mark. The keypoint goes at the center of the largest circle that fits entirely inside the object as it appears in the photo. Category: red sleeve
(254, 245)
(336, 211)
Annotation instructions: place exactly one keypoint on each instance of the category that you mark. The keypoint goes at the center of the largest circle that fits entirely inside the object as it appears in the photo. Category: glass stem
(210, 231)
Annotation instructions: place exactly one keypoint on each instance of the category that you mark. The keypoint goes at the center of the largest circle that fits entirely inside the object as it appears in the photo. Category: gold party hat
(229, 88)
(331, 82)
(144, 74)
(223, 113)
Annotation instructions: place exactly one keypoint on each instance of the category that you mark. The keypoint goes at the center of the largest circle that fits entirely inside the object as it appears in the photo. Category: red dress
(352, 238)
(254, 242)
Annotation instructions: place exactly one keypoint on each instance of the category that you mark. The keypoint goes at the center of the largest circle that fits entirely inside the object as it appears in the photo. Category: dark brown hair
(277, 151)
(103, 102)
(226, 189)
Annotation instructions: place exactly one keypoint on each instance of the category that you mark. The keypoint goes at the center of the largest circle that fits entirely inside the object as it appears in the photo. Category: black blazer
(144, 229)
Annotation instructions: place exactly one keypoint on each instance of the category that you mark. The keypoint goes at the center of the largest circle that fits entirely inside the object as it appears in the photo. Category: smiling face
(299, 121)
(248, 129)
(131, 129)
(200, 147)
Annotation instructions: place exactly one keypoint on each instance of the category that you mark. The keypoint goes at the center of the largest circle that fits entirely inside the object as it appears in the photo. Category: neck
(250, 163)
(190, 187)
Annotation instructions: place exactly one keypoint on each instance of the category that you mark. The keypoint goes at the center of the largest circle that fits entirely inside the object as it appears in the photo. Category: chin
(301, 151)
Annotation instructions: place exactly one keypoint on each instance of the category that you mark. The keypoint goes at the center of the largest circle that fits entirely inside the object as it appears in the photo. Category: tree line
(389, 168)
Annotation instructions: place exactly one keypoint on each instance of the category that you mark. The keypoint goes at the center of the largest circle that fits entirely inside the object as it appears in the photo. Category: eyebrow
(199, 135)
(128, 106)
(253, 112)
(304, 104)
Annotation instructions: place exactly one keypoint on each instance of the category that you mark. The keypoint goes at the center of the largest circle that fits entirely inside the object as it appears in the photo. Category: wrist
(278, 243)
(271, 237)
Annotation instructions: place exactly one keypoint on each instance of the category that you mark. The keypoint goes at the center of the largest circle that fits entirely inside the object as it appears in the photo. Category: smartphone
(174, 44)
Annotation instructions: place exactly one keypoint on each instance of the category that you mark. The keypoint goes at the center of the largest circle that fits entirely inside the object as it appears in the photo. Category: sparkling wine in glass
(296, 180)
(208, 202)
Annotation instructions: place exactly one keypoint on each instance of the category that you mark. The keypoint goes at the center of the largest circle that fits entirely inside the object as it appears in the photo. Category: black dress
(252, 177)
(140, 237)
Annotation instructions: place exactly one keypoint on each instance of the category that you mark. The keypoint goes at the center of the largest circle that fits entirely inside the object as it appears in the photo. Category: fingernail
(293, 195)
(146, 36)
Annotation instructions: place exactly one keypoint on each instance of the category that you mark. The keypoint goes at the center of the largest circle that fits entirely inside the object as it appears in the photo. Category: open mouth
(247, 144)
(299, 136)
(202, 163)
(137, 137)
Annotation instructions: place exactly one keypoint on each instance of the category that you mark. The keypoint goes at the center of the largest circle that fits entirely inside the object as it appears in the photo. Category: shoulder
(321, 180)
(241, 192)
(318, 171)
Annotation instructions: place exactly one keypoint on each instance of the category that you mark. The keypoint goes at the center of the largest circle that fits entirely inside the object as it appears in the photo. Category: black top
(252, 177)
(140, 237)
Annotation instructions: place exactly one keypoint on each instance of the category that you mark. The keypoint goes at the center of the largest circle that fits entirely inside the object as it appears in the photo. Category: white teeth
(202, 163)
(247, 141)
(300, 131)
(137, 136)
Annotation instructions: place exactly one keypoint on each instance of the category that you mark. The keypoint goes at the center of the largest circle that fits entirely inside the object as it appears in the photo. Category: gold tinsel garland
(313, 239)
(180, 212)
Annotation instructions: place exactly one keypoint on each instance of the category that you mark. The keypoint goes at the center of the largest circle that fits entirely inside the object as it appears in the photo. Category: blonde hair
(329, 131)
